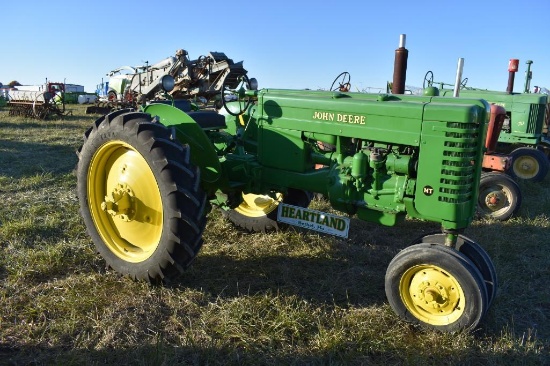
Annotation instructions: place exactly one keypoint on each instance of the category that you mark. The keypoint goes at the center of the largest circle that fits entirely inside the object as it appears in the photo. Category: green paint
(392, 154)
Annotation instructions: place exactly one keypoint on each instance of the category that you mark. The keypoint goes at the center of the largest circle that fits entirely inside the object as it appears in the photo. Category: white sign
(313, 220)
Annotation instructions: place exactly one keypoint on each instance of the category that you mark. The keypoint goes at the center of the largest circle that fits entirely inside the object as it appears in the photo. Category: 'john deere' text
(339, 117)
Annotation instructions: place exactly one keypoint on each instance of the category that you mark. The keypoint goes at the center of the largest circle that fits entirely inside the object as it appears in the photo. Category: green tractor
(147, 179)
(524, 133)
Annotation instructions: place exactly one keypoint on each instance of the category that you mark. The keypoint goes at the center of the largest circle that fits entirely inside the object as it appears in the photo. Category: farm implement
(147, 179)
(200, 81)
(43, 104)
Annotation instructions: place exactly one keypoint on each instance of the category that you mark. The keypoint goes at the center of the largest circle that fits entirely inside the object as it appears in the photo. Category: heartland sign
(313, 220)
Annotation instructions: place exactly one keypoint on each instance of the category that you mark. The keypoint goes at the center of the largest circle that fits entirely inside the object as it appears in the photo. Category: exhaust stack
(400, 67)
(513, 67)
(528, 77)
(459, 69)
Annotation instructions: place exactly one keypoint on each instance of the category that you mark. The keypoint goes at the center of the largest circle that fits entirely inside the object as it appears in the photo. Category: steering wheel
(200, 66)
(428, 79)
(463, 83)
(343, 81)
(236, 95)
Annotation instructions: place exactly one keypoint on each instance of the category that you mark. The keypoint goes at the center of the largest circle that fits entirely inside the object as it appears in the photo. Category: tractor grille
(546, 119)
(458, 162)
(535, 119)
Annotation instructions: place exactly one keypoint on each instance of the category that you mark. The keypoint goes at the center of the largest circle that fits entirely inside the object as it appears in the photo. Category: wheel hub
(122, 202)
(431, 293)
(526, 166)
(495, 200)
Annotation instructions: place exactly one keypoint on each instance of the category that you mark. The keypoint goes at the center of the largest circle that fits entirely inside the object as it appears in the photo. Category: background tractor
(524, 132)
(499, 195)
(147, 179)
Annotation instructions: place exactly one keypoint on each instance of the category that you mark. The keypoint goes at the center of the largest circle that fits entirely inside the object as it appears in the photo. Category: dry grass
(291, 297)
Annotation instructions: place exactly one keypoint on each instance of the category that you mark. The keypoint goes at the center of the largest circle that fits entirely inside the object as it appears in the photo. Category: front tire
(139, 197)
(475, 253)
(499, 196)
(436, 287)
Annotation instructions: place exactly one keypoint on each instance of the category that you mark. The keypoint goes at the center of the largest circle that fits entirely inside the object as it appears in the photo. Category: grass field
(291, 297)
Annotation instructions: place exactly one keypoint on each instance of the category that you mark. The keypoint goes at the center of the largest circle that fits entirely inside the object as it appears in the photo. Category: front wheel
(139, 197)
(437, 287)
(499, 196)
(475, 252)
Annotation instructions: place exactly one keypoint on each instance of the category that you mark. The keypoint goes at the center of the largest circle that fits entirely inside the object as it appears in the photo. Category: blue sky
(284, 44)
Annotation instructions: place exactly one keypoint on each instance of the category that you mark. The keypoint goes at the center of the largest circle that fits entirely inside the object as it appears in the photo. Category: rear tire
(258, 213)
(140, 197)
(528, 164)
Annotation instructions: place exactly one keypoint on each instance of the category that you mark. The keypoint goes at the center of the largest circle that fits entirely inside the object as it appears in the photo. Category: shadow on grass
(347, 272)
(344, 281)
(3, 272)
(351, 273)
(258, 353)
(23, 159)
(23, 125)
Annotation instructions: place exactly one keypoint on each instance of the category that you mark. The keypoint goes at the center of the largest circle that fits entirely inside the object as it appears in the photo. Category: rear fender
(203, 153)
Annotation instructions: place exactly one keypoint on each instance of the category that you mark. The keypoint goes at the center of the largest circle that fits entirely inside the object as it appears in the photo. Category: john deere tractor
(147, 179)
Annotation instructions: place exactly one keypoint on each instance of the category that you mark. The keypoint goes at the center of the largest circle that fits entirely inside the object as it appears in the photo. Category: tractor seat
(208, 120)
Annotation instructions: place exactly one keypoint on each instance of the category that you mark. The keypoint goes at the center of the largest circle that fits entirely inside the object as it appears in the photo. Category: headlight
(167, 83)
(253, 84)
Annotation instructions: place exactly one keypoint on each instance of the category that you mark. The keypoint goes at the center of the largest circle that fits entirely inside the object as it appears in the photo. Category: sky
(283, 44)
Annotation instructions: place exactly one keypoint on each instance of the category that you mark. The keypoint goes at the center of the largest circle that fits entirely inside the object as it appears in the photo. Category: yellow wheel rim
(432, 295)
(525, 167)
(125, 201)
(256, 205)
